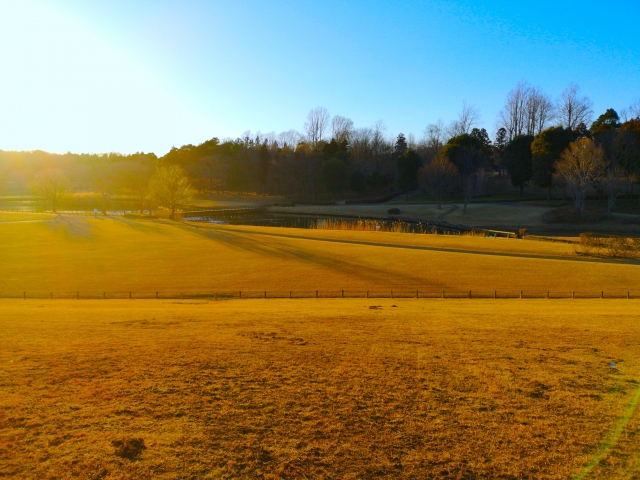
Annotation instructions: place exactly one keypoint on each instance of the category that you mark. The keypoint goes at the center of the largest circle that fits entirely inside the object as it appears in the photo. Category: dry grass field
(9, 217)
(309, 388)
(64, 255)
(348, 388)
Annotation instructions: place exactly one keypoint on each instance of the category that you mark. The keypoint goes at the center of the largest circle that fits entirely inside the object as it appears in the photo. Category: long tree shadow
(144, 225)
(74, 228)
(449, 211)
(285, 252)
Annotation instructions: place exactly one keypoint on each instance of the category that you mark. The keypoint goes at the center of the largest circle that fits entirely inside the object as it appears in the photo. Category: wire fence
(324, 294)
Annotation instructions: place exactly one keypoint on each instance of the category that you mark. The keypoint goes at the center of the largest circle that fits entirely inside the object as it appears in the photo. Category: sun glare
(62, 83)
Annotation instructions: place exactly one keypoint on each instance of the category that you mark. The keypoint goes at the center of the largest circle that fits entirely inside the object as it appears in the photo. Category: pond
(324, 222)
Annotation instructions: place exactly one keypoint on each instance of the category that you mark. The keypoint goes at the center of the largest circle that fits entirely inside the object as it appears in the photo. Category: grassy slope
(112, 254)
(328, 388)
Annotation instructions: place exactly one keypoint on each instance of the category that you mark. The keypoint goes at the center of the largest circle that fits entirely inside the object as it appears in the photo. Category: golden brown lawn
(96, 255)
(20, 217)
(319, 388)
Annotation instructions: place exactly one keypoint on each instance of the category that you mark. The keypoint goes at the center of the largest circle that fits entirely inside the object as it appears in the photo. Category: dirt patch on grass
(129, 448)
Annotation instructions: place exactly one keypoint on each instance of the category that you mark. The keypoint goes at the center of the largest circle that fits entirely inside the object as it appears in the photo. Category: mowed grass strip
(319, 388)
(95, 255)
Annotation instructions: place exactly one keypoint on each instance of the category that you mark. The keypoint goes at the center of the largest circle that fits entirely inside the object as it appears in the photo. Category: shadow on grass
(240, 241)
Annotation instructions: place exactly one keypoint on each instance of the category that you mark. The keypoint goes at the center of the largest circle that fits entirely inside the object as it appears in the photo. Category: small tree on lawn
(438, 177)
(53, 185)
(171, 188)
(579, 166)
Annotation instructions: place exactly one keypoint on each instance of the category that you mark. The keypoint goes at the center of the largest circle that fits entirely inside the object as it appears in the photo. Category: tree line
(537, 141)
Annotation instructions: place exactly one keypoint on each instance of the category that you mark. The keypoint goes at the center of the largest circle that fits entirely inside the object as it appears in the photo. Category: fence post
(367, 293)
(417, 294)
(156, 295)
(215, 295)
(442, 293)
(342, 293)
(602, 294)
(573, 294)
(548, 294)
(495, 294)
(290, 295)
(24, 295)
(265, 294)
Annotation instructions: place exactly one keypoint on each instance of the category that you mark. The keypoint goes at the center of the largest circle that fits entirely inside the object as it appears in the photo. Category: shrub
(608, 245)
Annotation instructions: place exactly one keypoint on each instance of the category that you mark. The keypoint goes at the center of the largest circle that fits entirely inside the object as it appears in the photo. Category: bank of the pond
(326, 222)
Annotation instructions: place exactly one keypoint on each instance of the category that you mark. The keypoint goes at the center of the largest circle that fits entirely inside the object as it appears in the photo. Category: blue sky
(89, 76)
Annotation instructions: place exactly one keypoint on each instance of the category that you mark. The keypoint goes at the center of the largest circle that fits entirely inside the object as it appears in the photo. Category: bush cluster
(608, 246)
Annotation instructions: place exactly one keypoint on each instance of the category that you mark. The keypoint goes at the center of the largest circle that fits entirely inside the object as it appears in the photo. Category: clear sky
(146, 75)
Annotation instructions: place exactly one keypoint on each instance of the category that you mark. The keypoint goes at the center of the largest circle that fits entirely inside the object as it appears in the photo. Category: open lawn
(349, 388)
(20, 217)
(114, 255)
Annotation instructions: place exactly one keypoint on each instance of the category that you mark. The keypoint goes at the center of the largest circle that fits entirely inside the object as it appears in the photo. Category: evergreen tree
(546, 149)
(518, 161)
(407, 167)
(609, 120)
(401, 145)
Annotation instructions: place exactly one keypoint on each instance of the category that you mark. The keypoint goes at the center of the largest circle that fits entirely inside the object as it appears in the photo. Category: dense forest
(331, 159)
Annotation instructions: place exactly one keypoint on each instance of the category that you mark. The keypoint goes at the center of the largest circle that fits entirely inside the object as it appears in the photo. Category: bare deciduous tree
(171, 188)
(106, 179)
(468, 117)
(614, 183)
(438, 177)
(513, 116)
(135, 179)
(435, 136)
(632, 112)
(572, 109)
(527, 111)
(579, 166)
(380, 147)
(341, 128)
(289, 138)
(316, 125)
(53, 185)
(540, 111)
(360, 144)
